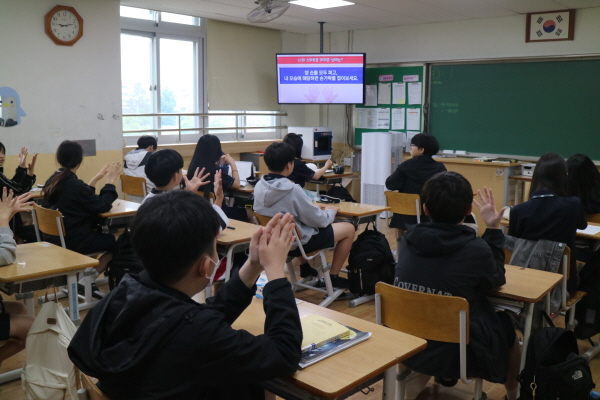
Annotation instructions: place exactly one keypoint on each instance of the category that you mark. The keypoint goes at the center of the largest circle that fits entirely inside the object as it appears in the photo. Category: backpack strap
(548, 319)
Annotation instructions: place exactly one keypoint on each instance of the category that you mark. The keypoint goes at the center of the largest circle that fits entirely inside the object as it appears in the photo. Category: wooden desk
(235, 239)
(344, 372)
(529, 286)
(42, 261)
(121, 208)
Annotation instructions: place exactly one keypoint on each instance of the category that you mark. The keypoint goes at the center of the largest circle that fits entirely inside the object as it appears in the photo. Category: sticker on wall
(10, 107)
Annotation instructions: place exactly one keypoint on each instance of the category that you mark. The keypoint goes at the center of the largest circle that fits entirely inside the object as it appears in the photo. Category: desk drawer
(25, 287)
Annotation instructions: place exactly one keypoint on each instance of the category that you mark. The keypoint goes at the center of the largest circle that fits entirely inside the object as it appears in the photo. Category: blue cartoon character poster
(10, 107)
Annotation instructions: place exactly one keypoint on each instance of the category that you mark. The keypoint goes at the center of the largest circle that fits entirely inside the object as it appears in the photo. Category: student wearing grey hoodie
(275, 194)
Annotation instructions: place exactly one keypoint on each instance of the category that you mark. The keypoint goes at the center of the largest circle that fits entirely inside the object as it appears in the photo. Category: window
(162, 59)
(162, 72)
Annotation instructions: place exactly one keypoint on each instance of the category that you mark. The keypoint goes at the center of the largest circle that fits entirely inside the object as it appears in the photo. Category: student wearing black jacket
(584, 182)
(24, 178)
(446, 258)
(411, 175)
(79, 203)
(149, 340)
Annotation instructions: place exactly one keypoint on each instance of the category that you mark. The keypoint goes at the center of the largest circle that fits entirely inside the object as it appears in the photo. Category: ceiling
(365, 14)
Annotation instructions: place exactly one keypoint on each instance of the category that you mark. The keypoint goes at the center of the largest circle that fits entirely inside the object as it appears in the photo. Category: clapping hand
(487, 209)
(218, 189)
(9, 206)
(23, 161)
(114, 171)
(198, 180)
(270, 245)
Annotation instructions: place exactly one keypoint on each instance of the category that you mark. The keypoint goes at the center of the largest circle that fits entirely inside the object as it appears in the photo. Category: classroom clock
(64, 25)
(550, 26)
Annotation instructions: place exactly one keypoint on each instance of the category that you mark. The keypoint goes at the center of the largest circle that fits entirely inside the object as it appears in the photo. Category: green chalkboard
(372, 77)
(527, 108)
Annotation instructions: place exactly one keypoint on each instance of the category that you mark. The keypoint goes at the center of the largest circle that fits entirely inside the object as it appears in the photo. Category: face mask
(214, 272)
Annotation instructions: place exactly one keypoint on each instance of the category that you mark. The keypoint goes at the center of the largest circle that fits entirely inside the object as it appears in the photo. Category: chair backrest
(263, 220)
(49, 222)
(595, 218)
(133, 185)
(404, 203)
(428, 316)
(92, 391)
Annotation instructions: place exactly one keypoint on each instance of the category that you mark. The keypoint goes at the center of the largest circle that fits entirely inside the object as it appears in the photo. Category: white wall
(62, 88)
(490, 38)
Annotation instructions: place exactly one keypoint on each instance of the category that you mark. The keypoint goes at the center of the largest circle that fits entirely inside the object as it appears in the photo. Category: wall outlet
(348, 161)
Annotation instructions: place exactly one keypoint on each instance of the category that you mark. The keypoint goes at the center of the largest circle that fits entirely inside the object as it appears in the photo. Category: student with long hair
(79, 203)
(584, 182)
(208, 155)
(549, 213)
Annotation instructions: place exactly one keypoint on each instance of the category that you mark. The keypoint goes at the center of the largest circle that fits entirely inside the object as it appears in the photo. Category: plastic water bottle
(594, 395)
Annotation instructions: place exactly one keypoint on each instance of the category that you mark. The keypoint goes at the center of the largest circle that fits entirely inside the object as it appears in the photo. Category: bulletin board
(393, 101)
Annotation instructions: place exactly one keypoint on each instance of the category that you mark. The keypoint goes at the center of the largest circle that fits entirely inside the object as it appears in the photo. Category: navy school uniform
(301, 173)
(409, 177)
(550, 217)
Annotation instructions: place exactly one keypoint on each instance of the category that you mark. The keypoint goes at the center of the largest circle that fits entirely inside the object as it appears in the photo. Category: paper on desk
(413, 119)
(383, 118)
(414, 93)
(398, 118)
(371, 95)
(385, 93)
(399, 93)
(244, 170)
(590, 230)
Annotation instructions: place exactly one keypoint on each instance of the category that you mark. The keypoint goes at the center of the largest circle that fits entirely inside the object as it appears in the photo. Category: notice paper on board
(398, 118)
(413, 119)
(399, 93)
(383, 118)
(371, 95)
(366, 118)
(414, 93)
(385, 93)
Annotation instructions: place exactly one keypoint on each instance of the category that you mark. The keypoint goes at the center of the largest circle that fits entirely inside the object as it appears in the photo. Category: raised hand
(328, 164)
(31, 165)
(218, 189)
(198, 180)
(23, 157)
(114, 171)
(487, 208)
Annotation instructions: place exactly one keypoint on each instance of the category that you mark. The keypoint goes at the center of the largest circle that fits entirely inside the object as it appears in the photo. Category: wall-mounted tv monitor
(330, 78)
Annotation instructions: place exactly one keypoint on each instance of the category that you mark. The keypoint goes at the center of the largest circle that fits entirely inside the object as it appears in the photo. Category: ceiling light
(320, 4)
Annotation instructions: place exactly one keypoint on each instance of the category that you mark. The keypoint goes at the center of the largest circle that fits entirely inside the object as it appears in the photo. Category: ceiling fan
(268, 10)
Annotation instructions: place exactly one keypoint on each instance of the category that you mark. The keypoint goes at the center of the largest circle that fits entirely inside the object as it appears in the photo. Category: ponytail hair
(68, 155)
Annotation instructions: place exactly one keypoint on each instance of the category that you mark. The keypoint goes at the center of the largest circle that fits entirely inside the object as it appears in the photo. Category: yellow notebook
(318, 330)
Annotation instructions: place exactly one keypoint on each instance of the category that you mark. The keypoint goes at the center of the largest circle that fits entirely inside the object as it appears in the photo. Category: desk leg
(527, 333)
(27, 299)
(10, 375)
(73, 298)
(389, 384)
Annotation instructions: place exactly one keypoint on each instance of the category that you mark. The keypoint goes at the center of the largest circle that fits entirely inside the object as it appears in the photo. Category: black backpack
(124, 261)
(340, 192)
(370, 261)
(554, 364)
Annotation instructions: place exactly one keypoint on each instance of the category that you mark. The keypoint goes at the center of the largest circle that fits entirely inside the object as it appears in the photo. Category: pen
(230, 227)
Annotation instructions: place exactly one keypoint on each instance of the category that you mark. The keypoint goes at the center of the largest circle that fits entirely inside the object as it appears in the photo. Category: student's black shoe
(306, 270)
(336, 282)
(446, 382)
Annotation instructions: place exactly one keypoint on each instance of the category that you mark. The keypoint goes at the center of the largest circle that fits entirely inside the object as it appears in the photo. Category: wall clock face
(64, 25)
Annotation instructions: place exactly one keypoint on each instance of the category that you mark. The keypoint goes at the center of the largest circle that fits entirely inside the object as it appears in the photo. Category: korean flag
(549, 26)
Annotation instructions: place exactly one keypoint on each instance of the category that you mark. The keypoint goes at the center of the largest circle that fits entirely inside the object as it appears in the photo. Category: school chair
(90, 391)
(430, 317)
(51, 223)
(566, 304)
(403, 203)
(133, 186)
(323, 271)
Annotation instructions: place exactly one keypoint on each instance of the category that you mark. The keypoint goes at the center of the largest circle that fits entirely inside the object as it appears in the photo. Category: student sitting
(209, 156)
(135, 162)
(301, 173)
(14, 319)
(164, 169)
(24, 178)
(80, 205)
(275, 194)
(584, 182)
(411, 175)
(445, 257)
(550, 214)
(149, 340)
